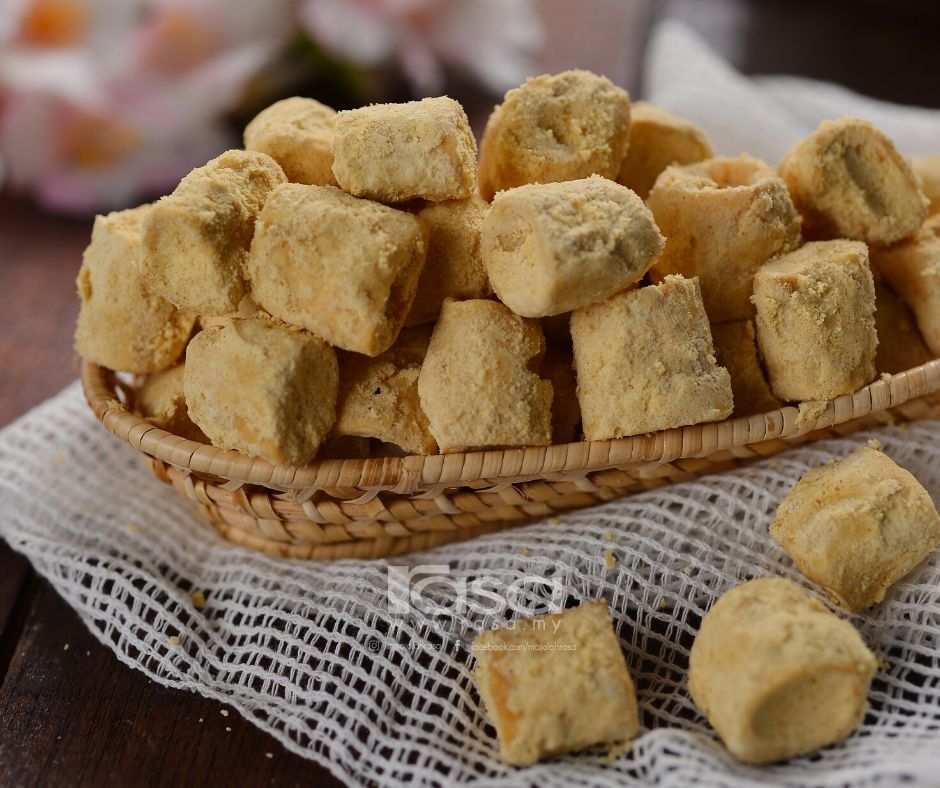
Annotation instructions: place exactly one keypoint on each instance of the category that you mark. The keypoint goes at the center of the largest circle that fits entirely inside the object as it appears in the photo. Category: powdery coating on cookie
(552, 248)
(659, 139)
(927, 168)
(378, 397)
(736, 351)
(454, 267)
(856, 526)
(477, 384)
(645, 362)
(343, 268)
(776, 673)
(556, 683)
(816, 320)
(298, 134)
(722, 218)
(262, 388)
(555, 128)
(900, 345)
(397, 152)
(912, 269)
(196, 240)
(849, 181)
(123, 323)
(162, 402)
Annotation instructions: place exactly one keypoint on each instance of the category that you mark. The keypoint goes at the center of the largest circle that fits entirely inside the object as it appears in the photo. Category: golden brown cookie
(849, 181)
(341, 267)
(124, 324)
(378, 397)
(927, 168)
(477, 384)
(900, 345)
(856, 526)
(736, 351)
(555, 247)
(659, 139)
(196, 240)
(162, 402)
(262, 388)
(912, 269)
(816, 320)
(722, 218)
(645, 362)
(397, 152)
(776, 673)
(297, 133)
(556, 683)
(454, 267)
(561, 127)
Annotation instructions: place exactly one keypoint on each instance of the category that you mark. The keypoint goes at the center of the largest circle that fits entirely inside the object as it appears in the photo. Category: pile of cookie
(352, 284)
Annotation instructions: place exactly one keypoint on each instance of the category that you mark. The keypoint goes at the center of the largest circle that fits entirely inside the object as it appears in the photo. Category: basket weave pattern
(370, 508)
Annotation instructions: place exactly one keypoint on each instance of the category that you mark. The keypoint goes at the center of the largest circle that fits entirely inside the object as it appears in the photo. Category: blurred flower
(87, 126)
(492, 40)
(106, 102)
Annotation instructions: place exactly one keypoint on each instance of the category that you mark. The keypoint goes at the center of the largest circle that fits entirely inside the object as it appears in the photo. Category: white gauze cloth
(313, 654)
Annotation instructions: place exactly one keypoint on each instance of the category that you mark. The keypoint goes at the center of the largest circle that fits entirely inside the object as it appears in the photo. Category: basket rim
(406, 475)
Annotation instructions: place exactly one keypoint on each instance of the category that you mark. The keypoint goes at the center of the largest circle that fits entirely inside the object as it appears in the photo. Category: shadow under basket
(370, 508)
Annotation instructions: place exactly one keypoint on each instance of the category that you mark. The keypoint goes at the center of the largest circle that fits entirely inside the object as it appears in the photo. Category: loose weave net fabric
(314, 654)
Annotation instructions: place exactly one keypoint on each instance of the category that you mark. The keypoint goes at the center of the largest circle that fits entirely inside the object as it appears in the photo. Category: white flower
(493, 40)
(105, 101)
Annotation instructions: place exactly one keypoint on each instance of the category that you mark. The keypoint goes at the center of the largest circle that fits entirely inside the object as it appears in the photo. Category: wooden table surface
(70, 713)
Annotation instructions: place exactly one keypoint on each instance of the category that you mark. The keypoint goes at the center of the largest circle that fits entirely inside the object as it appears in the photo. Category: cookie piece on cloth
(776, 673)
(856, 526)
(556, 683)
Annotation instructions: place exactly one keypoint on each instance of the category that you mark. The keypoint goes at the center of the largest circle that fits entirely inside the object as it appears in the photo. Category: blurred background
(107, 103)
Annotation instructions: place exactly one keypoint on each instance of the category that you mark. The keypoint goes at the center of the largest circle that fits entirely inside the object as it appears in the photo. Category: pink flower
(87, 125)
(493, 40)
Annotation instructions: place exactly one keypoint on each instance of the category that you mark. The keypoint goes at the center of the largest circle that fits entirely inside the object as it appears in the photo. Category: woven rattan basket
(380, 507)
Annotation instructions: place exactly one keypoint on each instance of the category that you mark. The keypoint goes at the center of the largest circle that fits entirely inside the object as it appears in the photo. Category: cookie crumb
(554, 521)
(133, 528)
(269, 755)
(65, 647)
(874, 443)
(199, 598)
(810, 411)
(609, 559)
(223, 712)
(609, 536)
(174, 640)
(526, 552)
(616, 751)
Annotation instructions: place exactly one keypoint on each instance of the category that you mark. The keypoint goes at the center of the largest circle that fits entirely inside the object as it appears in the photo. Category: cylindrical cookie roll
(776, 673)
